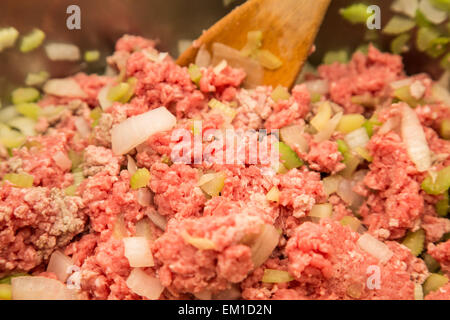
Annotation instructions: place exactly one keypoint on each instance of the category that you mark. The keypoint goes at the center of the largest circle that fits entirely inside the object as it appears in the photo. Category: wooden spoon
(289, 28)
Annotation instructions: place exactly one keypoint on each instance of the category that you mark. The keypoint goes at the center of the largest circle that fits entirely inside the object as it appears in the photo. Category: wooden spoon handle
(289, 28)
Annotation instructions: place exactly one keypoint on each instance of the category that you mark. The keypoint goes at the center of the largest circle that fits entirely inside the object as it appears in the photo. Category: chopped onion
(203, 58)
(357, 138)
(131, 165)
(320, 211)
(102, 98)
(318, 86)
(143, 228)
(293, 137)
(220, 67)
(276, 276)
(199, 243)
(392, 124)
(40, 288)
(8, 37)
(59, 264)
(345, 191)
(83, 127)
(24, 125)
(264, 245)
(144, 285)
(135, 130)
(62, 51)
(67, 87)
(144, 197)
(62, 160)
(8, 113)
(138, 253)
(418, 292)
(329, 129)
(159, 220)
(401, 83)
(235, 59)
(431, 13)
(375, 248)
(414, 139)
(119, 228)
(441, 93)
(331, 184)
(417, 90)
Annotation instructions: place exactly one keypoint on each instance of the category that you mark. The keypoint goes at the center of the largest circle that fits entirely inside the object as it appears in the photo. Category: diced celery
(404, 94)
(316, 97)
(440, 185)
(32, 40)
(76, 158)
(425, 38)
(280, 168)
(280, 93)
(254, 42)
(273, 194)
(421, 20)
(351, 164)
(276, 276)
(370, 124)
(322, 117)
(353, 222)
(129, 94)
(5, 291)
(8, 37)
(340, 56)
(288, 157)
(343, 147)
(223, 108)
(438, 47)
(71, 191)
(24, 95)
(29, 110)
(355, 13)
(442, 206)
(118, 92)
(95, 115)
(364, 153)
(19, 180)
(415, 241)
(434, 282)
(399, 44)
(212, 183)
(268, 60)
(195, 73)
(36, 79)
(140, 179)
(398, 25)
(432, 264)
(78, 176)
(91, 55)
(350, 122)
(24, 125)
(442, 4)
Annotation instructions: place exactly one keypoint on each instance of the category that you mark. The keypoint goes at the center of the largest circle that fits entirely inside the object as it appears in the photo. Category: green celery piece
(442, 206)
(398, 25)
(340, 56)
(439, 186)
(355, 13)
(289, 157)
(399, 44)
(425, 38)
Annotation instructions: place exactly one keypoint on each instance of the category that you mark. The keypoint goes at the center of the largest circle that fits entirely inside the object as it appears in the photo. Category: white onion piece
(138, 253)
(144, 197)
(375, 248)
(433, 14)
(264, 245)
(220, 67)
(441, 93)
(62, 51)
(414, 139)
(317, 86)
(293, 137)
(326, 133)
(407, 7)
(131, 165)
(183, 45)
(401, 83)
(136, 130)
(83, 128)
(40, 288)
(417, 89)
(59, 264)
(159, 220)
(102, 98)
(144, 229)
(144, 285)
(203, 58)
(391, 124)
(62, 160)
(357, 138)
(235, 59)
(67, 87)
(345, 191)
(418, 292)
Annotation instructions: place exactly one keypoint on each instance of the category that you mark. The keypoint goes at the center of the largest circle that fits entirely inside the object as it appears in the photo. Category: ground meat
(102, 132)
(442, 293)
(33, 223)
(435, 227)
(99, 159)
(394, 202)
(188, 269)
(325, 157)
(441, 253)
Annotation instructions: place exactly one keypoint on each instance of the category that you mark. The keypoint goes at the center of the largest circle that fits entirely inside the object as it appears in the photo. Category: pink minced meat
(324, 270)
(33, 223)
(185, 268)
(441, 253)
(325, 157)
(443, 293)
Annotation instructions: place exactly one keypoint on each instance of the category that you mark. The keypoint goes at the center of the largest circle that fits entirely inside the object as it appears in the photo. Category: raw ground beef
(203, 246)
